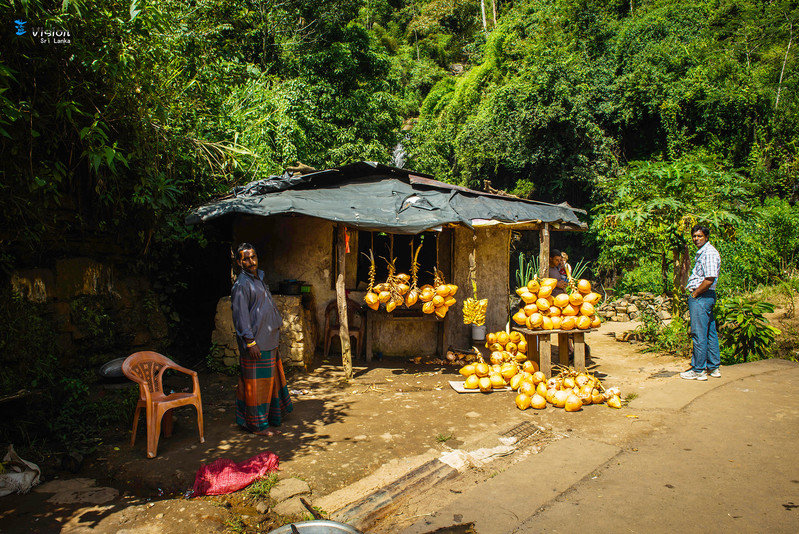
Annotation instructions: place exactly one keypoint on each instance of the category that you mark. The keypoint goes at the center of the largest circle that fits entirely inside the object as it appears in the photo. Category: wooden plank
(579, 351)
(373, 317)
(563, 349)
(341, 301)
(532, 348)
(545, 354)
(370, 335)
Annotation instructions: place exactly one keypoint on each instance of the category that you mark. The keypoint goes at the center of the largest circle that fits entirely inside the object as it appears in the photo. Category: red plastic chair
(147, 368)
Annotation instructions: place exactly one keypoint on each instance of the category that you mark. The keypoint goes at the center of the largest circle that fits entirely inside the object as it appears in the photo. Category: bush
(764, 250)
(58, 406)
(672, 338)
(744, 332)
(646, 277)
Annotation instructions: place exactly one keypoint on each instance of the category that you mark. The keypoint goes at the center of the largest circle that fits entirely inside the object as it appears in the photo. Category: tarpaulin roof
(370, 196)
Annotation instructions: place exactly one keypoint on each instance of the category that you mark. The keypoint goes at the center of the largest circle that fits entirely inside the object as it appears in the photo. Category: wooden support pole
(341, 301)
(543, 255)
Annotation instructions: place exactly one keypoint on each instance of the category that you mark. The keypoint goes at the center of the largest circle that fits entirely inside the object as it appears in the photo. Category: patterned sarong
(262, 396)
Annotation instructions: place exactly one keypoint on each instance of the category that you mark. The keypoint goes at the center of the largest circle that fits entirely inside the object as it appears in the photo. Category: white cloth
(21, 475)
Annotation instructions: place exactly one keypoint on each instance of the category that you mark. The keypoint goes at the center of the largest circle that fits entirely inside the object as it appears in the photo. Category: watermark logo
(44, 35)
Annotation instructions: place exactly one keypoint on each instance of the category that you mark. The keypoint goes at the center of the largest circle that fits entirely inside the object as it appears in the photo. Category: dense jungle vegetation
(649, 114)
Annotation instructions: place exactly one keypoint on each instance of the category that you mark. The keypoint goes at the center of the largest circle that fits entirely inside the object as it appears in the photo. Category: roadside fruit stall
(356, 232)
(570, 313)
(511, 368)
(520, 357)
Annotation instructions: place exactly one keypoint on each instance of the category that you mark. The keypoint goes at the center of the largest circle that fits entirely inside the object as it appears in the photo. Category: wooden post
(543, 255)
(341, 301)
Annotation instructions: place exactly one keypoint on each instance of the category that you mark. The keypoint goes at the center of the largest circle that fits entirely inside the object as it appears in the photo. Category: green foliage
(61, 406)
(648, 211)
(672, 338)
(92, 317)
(764, 249)
(744, 332)
(213, 361)
(789, 290)
(647, 276)
(443, 438)
(260, 488)
(27, 345)
(526, 270)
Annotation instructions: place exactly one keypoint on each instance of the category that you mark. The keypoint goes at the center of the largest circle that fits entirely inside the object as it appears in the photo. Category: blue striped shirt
(707, 264)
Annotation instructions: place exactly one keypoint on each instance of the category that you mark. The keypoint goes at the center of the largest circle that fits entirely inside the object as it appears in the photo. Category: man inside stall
(555, 260)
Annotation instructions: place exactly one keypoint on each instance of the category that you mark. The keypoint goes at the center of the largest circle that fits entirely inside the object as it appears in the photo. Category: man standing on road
(701, 286)
(262, 396)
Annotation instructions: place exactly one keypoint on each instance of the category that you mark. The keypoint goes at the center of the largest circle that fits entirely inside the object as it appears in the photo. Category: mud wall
(303, 248)
(489, 248)
(298, 248)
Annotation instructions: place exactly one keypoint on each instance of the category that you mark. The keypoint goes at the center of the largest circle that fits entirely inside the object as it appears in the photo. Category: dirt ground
(392, 414)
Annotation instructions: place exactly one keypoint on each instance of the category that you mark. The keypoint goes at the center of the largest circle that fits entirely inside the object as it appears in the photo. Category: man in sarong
(262, 396)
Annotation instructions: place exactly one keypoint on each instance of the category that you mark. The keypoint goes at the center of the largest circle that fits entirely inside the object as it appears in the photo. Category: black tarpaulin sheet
(369, 197)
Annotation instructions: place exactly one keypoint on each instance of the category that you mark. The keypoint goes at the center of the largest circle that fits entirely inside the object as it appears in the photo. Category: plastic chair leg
(153, 433)
(136, 415)
(167, 424)
(200, 422)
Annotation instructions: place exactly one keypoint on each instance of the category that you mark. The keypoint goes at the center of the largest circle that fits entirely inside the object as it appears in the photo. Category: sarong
(262, 395)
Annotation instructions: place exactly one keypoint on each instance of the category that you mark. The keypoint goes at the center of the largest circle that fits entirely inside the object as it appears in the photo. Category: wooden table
(538, 343)
(373, 317)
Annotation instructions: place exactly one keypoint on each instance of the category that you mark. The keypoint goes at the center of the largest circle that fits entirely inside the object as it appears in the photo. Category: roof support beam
(543, 255)
(341, 301)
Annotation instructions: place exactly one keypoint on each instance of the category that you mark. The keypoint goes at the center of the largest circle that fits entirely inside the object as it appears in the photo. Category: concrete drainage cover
(523, 431)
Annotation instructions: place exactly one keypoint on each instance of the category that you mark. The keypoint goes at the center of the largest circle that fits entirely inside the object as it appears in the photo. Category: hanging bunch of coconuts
(508, 364)
(439, 297)
(575, 308)
(400, 289)
(569, 389)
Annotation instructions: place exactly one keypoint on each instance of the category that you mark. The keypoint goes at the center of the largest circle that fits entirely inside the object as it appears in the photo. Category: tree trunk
(664, 271)
(494, 10)
(483, 13)
(784, 62)
(681, 263)
(341, 301)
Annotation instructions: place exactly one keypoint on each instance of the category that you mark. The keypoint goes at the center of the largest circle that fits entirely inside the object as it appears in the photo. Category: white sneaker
(694, 375)
(715, 373)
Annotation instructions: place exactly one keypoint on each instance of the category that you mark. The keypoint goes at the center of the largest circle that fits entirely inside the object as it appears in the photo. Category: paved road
(724, 459)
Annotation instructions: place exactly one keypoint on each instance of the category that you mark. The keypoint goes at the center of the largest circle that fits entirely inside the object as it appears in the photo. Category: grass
(443, 438)
(234, 525)
(630, 397)
(261, 487)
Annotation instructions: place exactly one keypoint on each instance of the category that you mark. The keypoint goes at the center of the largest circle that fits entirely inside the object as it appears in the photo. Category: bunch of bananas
(474, 311)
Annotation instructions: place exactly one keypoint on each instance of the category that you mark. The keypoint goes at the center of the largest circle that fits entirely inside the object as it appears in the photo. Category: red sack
(225, 476)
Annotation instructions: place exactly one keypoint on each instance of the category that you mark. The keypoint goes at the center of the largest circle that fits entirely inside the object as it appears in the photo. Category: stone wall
(94, 308)
(298, 333)
(630, 307)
